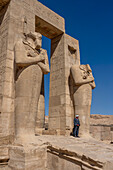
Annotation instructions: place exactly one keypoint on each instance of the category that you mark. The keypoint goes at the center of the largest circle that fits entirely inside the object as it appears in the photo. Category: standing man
(76, 126)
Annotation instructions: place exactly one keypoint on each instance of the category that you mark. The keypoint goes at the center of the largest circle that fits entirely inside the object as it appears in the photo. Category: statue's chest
(28, 48)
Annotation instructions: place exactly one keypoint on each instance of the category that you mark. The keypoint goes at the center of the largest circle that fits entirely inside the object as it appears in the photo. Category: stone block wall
(59, 159)
(59, 163)
(101, 127)
(32, 158)
(101, 132)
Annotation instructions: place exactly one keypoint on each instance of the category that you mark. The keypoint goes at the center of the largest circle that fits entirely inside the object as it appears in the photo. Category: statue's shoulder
(19, 45)
(75, 67)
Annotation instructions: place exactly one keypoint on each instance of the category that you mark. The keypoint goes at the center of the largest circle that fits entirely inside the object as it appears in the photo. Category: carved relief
(31, 63)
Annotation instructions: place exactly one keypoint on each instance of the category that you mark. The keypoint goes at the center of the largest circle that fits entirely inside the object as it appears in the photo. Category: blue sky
(91, 22)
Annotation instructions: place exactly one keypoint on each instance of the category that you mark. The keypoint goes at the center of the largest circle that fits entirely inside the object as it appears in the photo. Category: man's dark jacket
(76, 122)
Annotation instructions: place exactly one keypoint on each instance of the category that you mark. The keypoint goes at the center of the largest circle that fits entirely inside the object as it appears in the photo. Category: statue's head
(34, 39)
(85, 67)
(38, 41)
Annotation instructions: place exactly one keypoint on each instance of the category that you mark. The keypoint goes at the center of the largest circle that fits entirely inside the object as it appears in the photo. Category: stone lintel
(48, 23)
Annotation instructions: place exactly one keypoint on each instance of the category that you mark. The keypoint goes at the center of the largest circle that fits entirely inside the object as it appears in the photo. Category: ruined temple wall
(22, 16)
(58, 159)
(58, 162)
(101, 127)
(101, 132)
(28, 158)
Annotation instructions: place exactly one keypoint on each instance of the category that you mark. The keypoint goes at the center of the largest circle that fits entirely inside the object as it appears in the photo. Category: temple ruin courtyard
(25, 142)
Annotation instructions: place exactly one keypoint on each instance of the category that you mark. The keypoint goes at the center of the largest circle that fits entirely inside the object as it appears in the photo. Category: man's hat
(77, 115)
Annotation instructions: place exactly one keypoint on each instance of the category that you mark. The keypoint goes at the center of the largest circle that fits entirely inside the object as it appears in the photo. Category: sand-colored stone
(58, 152)
(16, 25)
(25, 22)
(22, 65)
(40, 121)
(31, 62)
(48, 23)
(84, 83)
(64, 54)
(99, 119)
(28, 157)
(101, 127)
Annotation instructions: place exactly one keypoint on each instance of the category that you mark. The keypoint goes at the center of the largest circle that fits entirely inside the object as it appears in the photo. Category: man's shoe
(78, 136)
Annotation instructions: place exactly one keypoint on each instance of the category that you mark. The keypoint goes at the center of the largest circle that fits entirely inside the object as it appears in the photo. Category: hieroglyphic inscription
(4, 18)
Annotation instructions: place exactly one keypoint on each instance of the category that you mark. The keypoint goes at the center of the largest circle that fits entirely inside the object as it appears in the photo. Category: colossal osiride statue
(31, 62)
(84, 83)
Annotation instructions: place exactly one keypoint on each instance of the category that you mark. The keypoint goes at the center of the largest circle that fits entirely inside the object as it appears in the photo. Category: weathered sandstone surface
(101, 127)
(59, 152)
(97, 119)
(23, 64)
